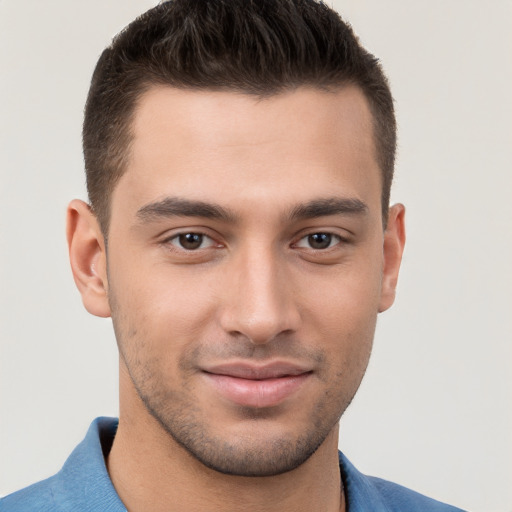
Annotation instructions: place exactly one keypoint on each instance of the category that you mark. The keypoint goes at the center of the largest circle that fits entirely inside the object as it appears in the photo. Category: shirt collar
(84, 484)
(360, 494)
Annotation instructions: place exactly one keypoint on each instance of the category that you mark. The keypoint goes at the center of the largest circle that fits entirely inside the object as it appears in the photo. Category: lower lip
(257, 393)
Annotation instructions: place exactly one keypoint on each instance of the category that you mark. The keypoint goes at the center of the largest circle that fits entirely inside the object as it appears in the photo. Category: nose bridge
(260, 304)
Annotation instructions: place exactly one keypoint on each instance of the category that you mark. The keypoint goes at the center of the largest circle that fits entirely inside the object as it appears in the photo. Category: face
(247, 263)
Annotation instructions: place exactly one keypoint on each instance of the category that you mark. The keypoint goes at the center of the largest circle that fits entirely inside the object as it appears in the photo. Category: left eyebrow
(328, 206)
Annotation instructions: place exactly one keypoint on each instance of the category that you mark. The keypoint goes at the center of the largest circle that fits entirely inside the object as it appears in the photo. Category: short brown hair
(259, 47)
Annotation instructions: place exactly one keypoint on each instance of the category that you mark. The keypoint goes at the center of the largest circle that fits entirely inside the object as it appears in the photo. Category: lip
(257, 385)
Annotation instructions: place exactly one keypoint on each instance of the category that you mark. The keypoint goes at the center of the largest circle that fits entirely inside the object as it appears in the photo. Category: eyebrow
(328, 206)
(178, 207)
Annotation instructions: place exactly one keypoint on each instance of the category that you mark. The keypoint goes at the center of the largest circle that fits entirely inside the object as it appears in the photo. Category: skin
(291, 263)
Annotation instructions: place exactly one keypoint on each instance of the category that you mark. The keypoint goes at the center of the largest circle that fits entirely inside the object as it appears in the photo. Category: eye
(191, 241)
(319, 241)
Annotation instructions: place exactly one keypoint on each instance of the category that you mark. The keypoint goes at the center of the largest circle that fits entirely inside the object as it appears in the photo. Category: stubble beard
(256, 454)
(249, 457)
(253, 455)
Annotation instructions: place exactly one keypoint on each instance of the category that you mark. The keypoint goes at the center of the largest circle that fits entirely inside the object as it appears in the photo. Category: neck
(150, 471)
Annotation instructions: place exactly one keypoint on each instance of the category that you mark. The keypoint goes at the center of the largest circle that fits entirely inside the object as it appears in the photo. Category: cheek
(347, 337)
(341, 313)
(160, 309)
(348, 295)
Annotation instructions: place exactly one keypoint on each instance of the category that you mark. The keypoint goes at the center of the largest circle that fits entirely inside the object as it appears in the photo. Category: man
(239, 158)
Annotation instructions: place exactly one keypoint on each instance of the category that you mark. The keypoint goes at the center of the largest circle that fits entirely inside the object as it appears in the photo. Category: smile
(258, 387)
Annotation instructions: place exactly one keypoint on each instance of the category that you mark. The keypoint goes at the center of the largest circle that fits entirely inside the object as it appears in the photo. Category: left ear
(393, 247)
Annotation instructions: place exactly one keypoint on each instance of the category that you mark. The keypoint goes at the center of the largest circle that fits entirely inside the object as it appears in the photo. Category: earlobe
(88, 258)
(394, 242)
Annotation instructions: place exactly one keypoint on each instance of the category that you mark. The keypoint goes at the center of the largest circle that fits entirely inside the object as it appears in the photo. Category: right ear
(88, 257)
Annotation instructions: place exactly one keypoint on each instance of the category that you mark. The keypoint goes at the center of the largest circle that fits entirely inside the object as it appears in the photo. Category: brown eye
(191, 241)
(320, 240)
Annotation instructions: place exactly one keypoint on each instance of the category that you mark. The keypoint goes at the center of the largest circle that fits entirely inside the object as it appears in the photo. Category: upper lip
(253, 371)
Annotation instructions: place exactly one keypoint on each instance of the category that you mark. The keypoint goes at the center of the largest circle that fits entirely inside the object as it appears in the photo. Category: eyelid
(204, 240)
(336, 240)
(169, 237)
(341, 238)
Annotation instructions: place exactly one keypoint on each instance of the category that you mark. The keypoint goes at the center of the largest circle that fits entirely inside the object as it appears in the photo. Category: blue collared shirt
(83, 485)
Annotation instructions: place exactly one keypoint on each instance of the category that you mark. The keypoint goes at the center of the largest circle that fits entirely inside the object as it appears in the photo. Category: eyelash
(326, 236)
(178, 238)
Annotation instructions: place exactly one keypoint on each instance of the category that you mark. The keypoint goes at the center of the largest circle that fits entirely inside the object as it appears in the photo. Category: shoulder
(399, 498)
(35, 498)
(370, 493)
(82, 485)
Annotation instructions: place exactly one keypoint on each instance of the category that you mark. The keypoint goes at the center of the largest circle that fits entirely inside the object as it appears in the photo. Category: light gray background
(434, 411)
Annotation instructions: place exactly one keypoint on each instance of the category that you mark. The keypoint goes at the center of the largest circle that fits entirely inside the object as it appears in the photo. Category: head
(256, 48)
(239, 157)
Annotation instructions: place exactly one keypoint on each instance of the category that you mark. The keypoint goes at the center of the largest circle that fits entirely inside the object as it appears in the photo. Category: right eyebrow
(179, 207)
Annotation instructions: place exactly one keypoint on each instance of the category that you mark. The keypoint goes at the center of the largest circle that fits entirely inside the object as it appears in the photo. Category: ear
(393, 248)
(88, 257)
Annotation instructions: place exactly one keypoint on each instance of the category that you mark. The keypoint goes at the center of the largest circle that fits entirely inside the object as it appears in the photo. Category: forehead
(302, 142)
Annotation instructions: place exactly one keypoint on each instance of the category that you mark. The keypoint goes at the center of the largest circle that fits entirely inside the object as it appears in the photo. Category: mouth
(255, 386)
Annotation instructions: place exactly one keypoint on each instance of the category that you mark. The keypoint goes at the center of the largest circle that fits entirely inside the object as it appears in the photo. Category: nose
(260, 304)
